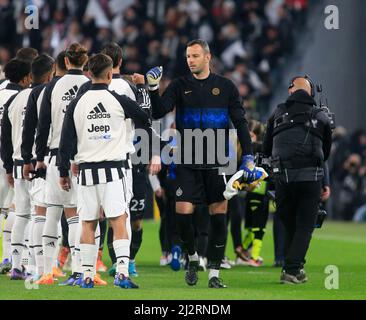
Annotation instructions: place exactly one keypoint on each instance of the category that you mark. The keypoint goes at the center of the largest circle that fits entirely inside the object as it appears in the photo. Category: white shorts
(54, 195)
(111, 196)
(38, 192)
(22, 198)
(6, 192)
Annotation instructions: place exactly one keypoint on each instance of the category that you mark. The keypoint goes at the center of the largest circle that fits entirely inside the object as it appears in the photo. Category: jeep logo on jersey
(94, 128)
(99, 112)
(69, 95)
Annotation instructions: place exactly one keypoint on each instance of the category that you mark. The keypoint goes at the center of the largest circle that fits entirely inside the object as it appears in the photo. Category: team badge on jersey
(216, 91)
(179, 192)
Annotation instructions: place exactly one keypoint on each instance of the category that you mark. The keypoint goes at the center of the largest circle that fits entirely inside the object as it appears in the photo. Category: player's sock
(50, 236)
(135, 243)
(7, 235)
(111, 252)
(17, 240)
(97, 245)
(25, 255)
(257, 242)
(31, 267)
(248, 240)
(217, 240)
(73, 225)
(87, 260)
(213, 273)
(77, 247)
(122, 250)
(39, 223)
(186, 231)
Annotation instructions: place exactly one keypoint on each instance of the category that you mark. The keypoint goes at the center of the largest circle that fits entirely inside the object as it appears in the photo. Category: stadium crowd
(250, 39)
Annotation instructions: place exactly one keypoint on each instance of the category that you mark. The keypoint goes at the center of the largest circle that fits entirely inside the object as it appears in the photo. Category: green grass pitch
(339, 244)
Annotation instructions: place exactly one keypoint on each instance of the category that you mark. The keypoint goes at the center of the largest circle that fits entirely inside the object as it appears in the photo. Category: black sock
(136, 241)
(258, 234)
(103, 231)
(186, 231)
(111, 252)
(217, 240)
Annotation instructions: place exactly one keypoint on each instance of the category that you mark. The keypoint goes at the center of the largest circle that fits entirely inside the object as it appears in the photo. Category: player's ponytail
(77, 54)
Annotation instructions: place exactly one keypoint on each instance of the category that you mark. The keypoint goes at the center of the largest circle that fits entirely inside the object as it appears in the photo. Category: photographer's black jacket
(298, 146)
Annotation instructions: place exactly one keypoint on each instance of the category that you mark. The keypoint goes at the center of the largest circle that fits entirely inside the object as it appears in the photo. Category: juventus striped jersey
(122, 87)
(11, 130)
(6, 94)
(55, 101)
(31, 121)
(4, 83)
(95, 126)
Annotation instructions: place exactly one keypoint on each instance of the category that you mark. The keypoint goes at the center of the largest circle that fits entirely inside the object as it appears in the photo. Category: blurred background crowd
(251, 40)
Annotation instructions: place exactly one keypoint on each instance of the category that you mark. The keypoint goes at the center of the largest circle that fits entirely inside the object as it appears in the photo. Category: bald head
(300, 84)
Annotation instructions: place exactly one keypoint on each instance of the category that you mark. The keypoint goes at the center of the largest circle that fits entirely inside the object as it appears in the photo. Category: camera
(320, 217)
(324, 107)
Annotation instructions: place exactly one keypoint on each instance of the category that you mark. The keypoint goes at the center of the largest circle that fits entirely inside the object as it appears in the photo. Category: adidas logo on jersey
(69, 95)
(15, 252)
(99, 112)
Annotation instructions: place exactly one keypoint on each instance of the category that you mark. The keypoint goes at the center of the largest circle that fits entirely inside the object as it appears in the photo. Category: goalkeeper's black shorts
(140, 188)
(199, 186)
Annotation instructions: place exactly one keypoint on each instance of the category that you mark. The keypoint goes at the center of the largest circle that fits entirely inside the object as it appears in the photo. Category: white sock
(193, 257)
(77, 248)
(97, 245)
(213, 273)
(73, 225)
(7, 235)
(58, 246)
(31, 267)
(25, 255)
(39, 222)
(50, 236)
(122, 249)
(17, 240)
(87, 260)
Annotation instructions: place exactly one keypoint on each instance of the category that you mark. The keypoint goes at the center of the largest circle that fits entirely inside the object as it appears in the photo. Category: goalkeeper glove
(153, 77)
(248, 167)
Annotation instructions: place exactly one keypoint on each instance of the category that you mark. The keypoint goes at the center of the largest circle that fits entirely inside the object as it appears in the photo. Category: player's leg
(7, 207)
(103, 231)
(116, 211)
(23, 215)
(137, 209)
(214, 188)
(89, 212)
(259, 207)
(5, 265)
(202, 222)
(53, 198)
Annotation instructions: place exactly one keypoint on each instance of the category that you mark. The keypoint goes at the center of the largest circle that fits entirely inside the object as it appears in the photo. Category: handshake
(153, 77)
(248, 178)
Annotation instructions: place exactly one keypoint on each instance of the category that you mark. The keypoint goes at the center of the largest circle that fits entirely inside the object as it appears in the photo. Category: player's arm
(68, 141)
(166, 103)
(6, 144)
(29, 128)
(138, 110)
(44, 124)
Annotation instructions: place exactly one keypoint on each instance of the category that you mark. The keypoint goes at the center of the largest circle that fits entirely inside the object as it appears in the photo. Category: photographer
(298, 139)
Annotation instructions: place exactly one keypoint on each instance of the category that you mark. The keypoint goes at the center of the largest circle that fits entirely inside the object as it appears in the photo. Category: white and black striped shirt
(95, 129)
(57, 97)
